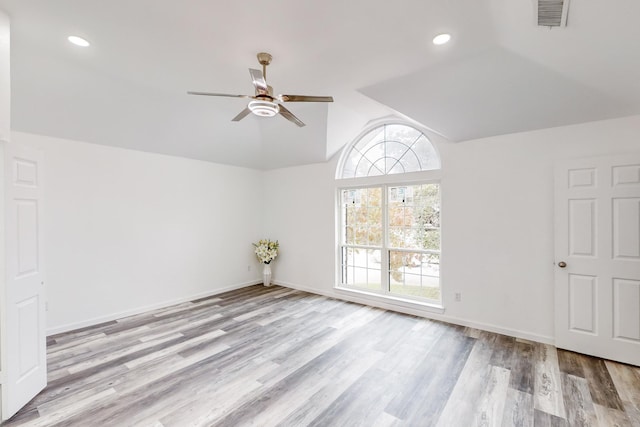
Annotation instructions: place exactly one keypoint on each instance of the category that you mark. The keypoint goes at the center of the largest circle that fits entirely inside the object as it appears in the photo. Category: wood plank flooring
(279, 357)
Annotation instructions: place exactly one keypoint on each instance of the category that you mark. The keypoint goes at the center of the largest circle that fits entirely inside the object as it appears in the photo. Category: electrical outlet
(458, 296)
(248, 268)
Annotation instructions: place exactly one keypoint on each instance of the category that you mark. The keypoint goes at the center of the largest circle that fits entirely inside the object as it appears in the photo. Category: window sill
(392, 300)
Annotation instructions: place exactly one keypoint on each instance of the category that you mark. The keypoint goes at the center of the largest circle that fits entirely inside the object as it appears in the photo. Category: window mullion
(385, 240)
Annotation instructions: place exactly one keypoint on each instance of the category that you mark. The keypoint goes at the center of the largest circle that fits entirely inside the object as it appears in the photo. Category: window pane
(375, 235)
(408, 162)
(349, 166)
(364, 168)
(396, 214)
(396, 237)
(402, 133)
(371, 139)
(429, 159)
(374, 152)
(362, 216)
(414, 216)
(374, 196)
(414, 274)
(430, 239)
(395, 151)
(362, 268)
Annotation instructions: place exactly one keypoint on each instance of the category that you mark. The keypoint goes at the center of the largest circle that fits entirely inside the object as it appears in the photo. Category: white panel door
(597, 222)
(24, 362)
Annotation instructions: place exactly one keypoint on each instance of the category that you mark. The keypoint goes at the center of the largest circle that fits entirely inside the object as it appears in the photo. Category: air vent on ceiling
(552, 13)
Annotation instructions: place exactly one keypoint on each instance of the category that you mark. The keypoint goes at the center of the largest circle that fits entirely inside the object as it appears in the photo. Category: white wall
(299, 206)
(126, 230)
(5, 77)
(497, 204)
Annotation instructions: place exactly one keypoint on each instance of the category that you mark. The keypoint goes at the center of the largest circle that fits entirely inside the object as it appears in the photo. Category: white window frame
(385, 181)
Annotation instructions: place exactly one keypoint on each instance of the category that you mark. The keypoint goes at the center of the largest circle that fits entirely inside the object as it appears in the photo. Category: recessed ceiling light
(78, 41)
(441, 38)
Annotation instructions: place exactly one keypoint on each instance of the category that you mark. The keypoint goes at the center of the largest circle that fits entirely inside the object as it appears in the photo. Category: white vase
(266, 275)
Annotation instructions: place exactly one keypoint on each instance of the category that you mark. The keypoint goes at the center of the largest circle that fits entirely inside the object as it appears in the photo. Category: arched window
(390, 149)
(389, 227)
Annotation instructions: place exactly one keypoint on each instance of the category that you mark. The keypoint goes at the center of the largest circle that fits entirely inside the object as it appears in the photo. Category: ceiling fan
(264, 103)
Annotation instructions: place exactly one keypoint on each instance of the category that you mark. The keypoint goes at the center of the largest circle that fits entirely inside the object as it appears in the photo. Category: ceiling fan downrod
(264, 59)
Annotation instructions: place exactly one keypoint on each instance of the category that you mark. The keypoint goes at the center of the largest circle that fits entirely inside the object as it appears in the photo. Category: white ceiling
(500, 74)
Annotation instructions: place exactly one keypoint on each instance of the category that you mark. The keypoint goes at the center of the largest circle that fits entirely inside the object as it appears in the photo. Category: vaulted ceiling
(500, 73)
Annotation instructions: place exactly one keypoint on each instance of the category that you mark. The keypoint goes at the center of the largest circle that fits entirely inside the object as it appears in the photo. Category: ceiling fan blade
(304, 98)
(289, 116)
(219, 94)
(258, 81)
(241, 115)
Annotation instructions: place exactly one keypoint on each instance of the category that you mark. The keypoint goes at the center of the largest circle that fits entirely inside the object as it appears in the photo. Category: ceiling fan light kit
(264, 108)
(263, 103)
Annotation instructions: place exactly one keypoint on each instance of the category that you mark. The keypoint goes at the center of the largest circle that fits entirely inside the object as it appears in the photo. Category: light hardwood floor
(274, 356)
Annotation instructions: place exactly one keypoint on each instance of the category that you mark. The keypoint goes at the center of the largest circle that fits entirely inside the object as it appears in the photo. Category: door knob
(562, 264)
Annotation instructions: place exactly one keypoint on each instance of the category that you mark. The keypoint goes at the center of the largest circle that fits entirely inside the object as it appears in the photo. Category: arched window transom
(390, 149)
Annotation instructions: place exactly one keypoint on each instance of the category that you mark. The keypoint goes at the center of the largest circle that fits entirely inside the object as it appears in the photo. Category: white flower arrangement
(266, 250)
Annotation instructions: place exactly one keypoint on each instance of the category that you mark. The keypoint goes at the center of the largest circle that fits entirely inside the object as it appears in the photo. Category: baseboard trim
(429, 314)
(138, 310)
(360, 299)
